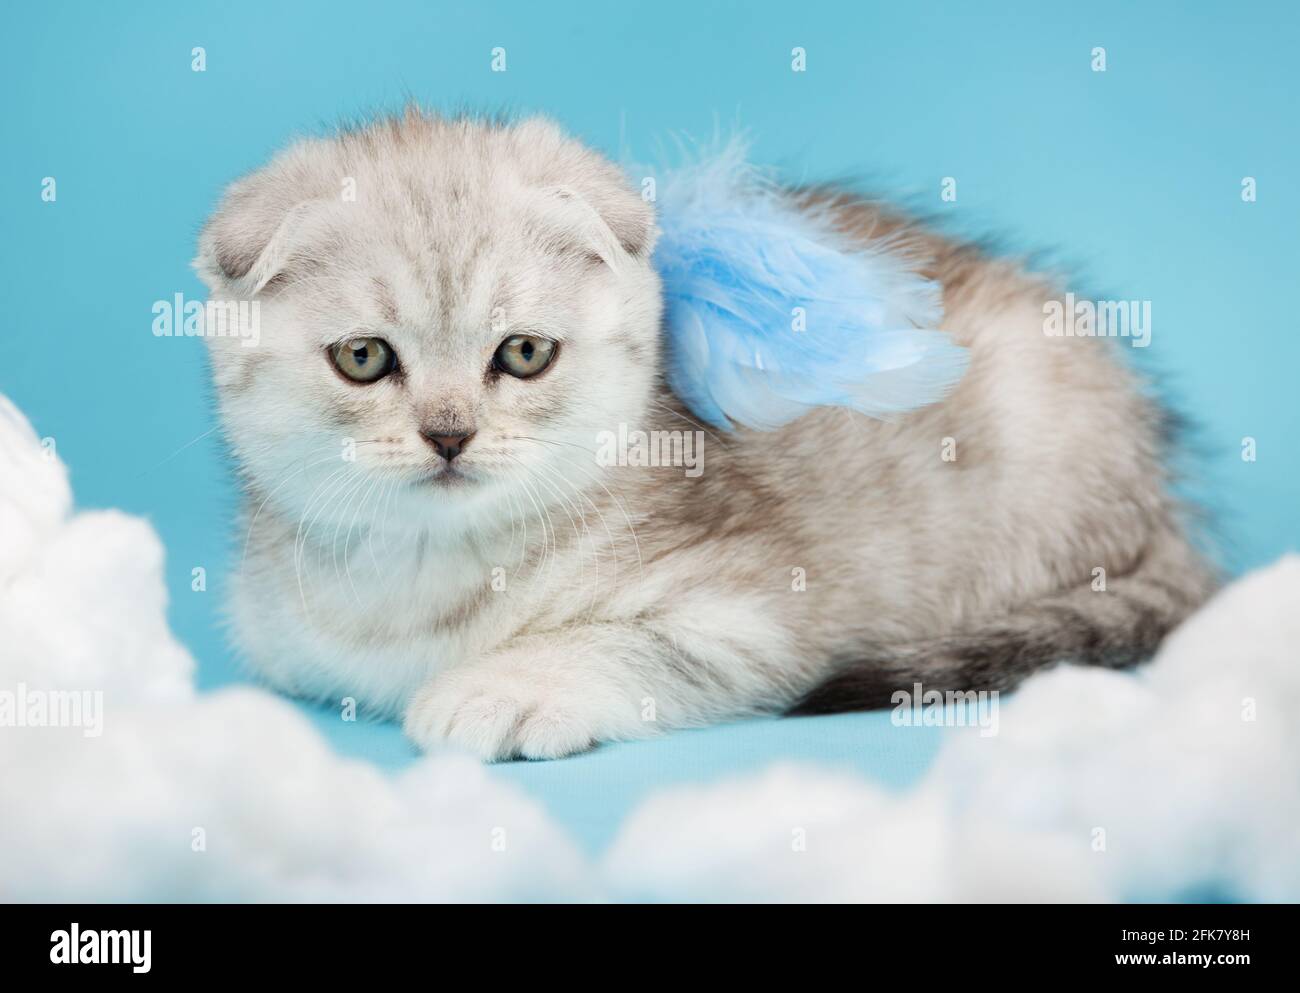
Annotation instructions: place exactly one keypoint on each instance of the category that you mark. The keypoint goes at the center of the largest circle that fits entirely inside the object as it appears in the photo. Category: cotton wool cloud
(224, 796)
(1182, 780)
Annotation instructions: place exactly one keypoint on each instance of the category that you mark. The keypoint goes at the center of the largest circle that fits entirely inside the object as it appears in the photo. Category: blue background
(1132, 177)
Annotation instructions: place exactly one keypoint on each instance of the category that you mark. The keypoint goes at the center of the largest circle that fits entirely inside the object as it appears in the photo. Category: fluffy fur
(1192, 770)
(540, 600)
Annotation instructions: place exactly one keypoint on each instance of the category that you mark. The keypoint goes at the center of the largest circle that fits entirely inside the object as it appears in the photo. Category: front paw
(498, 715)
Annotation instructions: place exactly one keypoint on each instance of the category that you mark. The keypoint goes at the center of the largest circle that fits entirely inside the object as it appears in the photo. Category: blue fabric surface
(593, 792)
(1134, 173)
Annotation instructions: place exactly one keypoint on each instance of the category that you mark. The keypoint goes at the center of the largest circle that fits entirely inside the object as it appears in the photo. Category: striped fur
(552, 599)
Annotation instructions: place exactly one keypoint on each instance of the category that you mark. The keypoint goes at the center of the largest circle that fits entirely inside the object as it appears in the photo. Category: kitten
(454, 313)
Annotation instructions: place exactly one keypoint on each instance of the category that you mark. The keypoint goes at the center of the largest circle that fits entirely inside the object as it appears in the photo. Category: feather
(771, 311)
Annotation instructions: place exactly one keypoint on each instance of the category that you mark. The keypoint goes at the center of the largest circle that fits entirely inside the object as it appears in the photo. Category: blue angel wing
(771, 312)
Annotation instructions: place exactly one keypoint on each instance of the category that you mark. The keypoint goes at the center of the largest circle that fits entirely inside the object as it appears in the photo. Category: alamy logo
(77, 947)
(25, 707)
(181, 318)
(651, 448)
(1073, 318)
(955, 708)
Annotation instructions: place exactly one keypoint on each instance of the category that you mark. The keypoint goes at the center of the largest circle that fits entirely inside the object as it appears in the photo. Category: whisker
(248, 537)
(300, 539)
(636, 543)
(544, 518)
(389, 481)
(192, 441)
(591, 541)
(677, 413)
(347, 539)
(582, 566)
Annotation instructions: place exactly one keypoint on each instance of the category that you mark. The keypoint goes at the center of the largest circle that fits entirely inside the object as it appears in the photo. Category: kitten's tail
(1116, 628)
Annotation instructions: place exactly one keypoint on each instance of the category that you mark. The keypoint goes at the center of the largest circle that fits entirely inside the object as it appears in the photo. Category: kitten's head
(448, 313)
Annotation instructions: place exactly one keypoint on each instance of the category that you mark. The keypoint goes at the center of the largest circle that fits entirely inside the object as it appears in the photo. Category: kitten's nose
(449, 445)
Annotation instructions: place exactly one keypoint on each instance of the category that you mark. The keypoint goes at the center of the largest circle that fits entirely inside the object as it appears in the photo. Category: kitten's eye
(363, 360)
(524, 355)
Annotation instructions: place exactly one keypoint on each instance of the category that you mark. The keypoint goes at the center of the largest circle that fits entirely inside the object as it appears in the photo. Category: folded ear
(251, 237)
(560, 162)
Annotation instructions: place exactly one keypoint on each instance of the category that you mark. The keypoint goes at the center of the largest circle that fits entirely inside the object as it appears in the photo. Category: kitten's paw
(498, 716)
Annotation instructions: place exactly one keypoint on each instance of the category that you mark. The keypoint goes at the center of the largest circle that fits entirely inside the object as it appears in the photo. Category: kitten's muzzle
(447, 445)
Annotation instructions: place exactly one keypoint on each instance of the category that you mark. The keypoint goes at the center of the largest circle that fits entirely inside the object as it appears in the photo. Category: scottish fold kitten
(456, 315)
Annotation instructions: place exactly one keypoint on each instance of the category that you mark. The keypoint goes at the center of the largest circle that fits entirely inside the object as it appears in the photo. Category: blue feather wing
(771, 312)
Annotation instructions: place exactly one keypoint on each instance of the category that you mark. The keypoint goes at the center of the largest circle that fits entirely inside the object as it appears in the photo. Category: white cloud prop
(83, 596)
(1194, 799)
(1182, 781)
(225, 796)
